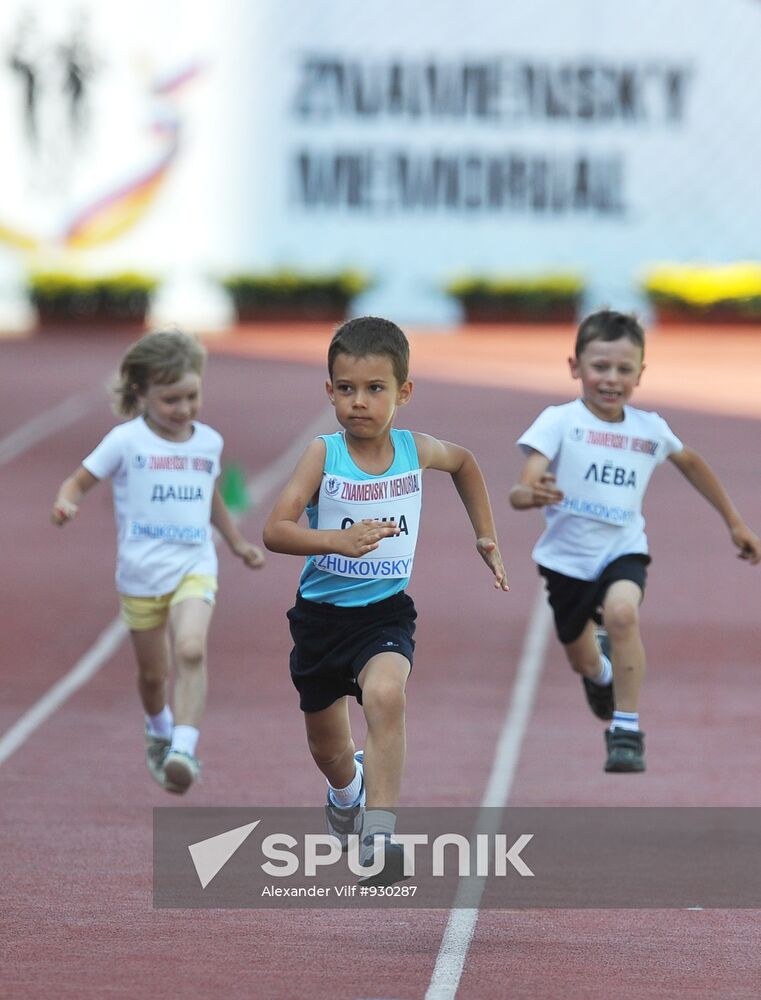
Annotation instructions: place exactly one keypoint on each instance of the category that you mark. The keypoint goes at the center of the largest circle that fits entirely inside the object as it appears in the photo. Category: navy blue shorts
(576, 602)
(332, 644)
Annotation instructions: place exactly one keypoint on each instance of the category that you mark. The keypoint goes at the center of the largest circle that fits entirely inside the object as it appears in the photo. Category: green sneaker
(180, 770)
(626, 750)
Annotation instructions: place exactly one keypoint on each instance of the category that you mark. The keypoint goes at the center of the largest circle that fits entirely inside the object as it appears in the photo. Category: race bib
(604, 475)
(343, 502)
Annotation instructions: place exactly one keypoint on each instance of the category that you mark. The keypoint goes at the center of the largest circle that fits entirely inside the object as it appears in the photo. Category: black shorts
(576, 602)
(332, 644)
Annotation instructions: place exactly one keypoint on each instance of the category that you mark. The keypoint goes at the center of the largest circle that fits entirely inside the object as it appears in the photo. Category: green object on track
(234, 490)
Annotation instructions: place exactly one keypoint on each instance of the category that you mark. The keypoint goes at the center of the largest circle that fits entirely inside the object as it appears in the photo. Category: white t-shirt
(162, 503)
(603, 469)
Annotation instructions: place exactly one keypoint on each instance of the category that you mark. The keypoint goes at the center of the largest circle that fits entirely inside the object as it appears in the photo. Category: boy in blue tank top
(353, 624)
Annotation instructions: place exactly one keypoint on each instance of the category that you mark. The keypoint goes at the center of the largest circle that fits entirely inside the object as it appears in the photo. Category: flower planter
(71, 303)
(676, 316)
(705, 294)
(497, 312)
(293, 298)
(294, 311)
(49, 323)
(549, 298)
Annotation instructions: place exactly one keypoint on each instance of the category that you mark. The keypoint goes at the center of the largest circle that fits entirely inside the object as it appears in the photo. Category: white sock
(349, 796)
(185, 738)
(625, 720)
(161, 724)
(606, 672)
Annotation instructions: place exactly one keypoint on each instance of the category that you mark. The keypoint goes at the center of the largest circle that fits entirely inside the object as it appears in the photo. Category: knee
(152, 675)
(190, 652)
(327, 751)
(621, 619)
(584, 668)
(586, 664)
(583, 655)
(384, 699)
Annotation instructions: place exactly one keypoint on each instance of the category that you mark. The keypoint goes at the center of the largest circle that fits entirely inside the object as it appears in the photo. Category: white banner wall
(423, 140)
(413, 141)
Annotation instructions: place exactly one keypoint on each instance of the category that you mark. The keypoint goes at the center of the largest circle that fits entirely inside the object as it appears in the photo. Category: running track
(76, 917)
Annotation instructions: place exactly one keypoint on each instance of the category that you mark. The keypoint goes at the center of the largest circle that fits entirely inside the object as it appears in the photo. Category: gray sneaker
(180, 771)
(341, 821)
(626, 750)
(392, 855)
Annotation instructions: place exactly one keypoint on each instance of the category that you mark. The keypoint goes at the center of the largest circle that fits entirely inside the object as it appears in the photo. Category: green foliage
(59, 295)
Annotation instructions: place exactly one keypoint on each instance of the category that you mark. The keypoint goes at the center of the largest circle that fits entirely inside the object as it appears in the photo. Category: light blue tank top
(348, 494)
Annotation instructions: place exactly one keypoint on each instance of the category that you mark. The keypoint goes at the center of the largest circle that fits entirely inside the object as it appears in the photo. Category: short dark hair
(607, 324)
(367, 335)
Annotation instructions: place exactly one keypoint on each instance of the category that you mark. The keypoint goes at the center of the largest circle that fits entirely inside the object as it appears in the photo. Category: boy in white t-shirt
(588, 464)
(164, 464)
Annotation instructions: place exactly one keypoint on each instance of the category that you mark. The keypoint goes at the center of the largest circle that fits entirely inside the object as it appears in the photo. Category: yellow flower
(704, 285)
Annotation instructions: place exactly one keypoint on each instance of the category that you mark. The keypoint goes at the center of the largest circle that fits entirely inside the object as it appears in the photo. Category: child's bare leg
(383, 680)
(152, 653)
(330, 742)
(621, 616)
(583, 653)
(189, 622)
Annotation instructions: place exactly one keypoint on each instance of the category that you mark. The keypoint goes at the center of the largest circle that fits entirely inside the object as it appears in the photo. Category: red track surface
(77, 919)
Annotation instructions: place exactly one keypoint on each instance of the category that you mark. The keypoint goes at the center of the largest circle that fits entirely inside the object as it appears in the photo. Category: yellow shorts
(143, 613)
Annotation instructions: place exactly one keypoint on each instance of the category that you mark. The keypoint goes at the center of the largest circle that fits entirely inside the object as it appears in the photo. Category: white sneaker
(180, 770)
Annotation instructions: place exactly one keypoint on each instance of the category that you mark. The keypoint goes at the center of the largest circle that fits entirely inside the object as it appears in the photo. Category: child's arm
(469, 482)
(695, 468)
(251, 555)
(70, 495)
(536, 486)
(282, 533)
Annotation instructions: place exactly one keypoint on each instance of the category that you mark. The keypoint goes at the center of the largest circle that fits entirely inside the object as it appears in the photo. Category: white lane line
(104, 647)
(49, 422)
(261, 485)
(463, 916)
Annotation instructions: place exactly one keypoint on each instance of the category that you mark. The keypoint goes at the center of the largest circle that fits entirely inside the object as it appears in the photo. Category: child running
(164, 465)
(353, 624)
(588, 464)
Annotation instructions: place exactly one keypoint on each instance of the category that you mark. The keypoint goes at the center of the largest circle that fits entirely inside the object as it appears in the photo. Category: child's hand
(251, 555)
(489, 552)
(544, 492)
(364, 536)
(748, 543)
(63, 511)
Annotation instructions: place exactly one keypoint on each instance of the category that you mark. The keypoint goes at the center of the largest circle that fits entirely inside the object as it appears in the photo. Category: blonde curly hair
(160, 357)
